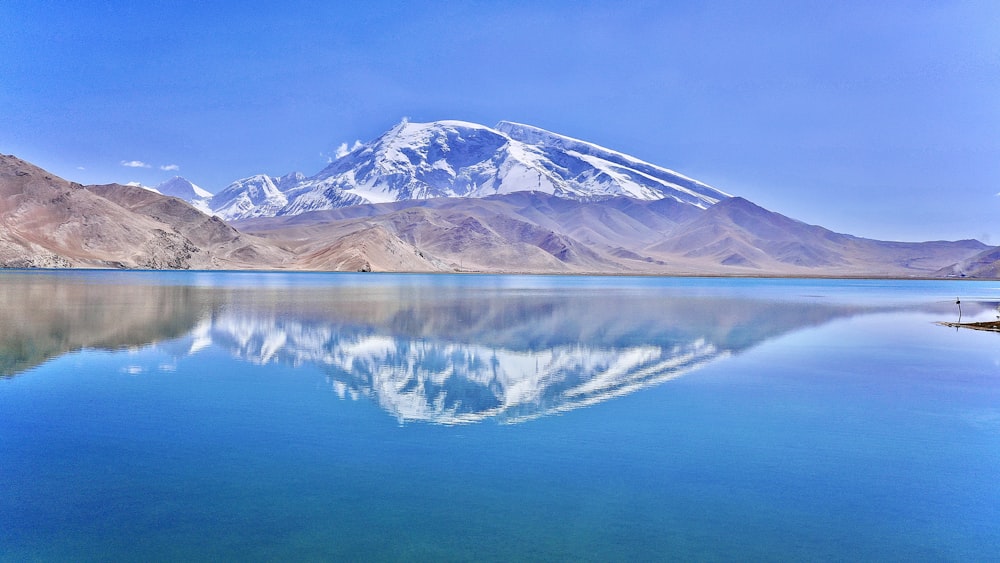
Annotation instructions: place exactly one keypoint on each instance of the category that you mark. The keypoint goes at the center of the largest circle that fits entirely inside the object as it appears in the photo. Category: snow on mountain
(288, 180)
(461, 159)
(182, 188)
(613, 173)
(256, 196)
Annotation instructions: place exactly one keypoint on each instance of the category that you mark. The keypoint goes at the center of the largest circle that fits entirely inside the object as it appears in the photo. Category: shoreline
(522, 273)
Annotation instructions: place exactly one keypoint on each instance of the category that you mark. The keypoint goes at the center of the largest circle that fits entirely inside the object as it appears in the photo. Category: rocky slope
(46, 221)
(986, 264)
(536, 232)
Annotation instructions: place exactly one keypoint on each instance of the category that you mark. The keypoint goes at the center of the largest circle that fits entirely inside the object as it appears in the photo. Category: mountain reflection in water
(453, 381)
(446, 355)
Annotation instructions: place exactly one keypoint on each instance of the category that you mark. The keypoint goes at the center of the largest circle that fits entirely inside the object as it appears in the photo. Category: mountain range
(449, 196)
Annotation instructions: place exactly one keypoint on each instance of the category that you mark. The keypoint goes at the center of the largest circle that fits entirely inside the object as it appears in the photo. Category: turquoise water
(212, 416)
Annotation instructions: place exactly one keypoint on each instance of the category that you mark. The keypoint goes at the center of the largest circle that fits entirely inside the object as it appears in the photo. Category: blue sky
(880, 119)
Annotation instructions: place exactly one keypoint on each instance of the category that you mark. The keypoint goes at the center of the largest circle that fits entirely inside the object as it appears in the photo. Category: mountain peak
(452, 158)
(523, 132)
(182, 188)
(254, 196)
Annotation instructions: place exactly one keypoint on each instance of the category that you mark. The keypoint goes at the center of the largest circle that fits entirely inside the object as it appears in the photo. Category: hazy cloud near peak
(170, 167)
(344, 150)
(135, 164)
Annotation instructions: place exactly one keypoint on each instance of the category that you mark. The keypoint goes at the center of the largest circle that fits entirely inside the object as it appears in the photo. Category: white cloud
(344, 150)
(80, 168)
(170, 167)
(135, 164)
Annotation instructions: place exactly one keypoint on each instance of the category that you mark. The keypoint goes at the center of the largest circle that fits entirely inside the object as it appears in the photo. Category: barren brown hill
(433, 235)
(46, 221)
(986, 264)
(744, 236)
(534, 232)
(222, 245)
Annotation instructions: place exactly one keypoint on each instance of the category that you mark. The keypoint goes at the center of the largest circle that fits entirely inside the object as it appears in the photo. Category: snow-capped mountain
(256, 196)
(190, 192)
(288, 180)
(460, 159)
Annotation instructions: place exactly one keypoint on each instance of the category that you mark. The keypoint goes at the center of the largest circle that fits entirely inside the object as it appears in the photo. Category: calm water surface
(233, 416)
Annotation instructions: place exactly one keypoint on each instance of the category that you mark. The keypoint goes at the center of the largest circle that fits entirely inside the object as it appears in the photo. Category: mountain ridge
(533, 232)
(462, 159)
(48, 222)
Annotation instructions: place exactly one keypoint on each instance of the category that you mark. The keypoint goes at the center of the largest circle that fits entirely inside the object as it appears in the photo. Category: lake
(297, 416)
